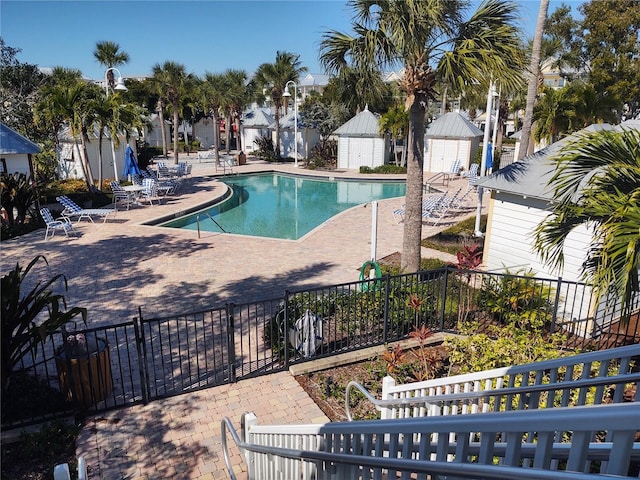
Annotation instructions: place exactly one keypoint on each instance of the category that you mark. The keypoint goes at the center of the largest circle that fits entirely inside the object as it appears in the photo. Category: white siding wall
(439, 153)
(204, 132)
(70, 165)
(17, 163)
(249, 135)
(509, 241)
(355, 152)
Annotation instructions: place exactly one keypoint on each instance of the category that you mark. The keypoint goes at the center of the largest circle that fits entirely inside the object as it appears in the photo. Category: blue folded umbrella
(130, 162)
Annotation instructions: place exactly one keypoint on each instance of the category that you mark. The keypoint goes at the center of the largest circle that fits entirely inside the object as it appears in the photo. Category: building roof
(315, 79)
(530, 176)
(364, 124)
(257, 119)
(452, 125)
(11, 142)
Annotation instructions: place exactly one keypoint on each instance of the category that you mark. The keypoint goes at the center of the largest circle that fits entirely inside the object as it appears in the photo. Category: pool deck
(115, 267)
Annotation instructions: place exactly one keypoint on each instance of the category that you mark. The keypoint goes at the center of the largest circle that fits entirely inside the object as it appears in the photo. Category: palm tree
(212, 93)
(109, 55)
(553, 114)
(396, 121)
(172, 82)
(597, 184)
(421, 34)
(238, 96)
(68, 101)
(532, 88)
(274, 77)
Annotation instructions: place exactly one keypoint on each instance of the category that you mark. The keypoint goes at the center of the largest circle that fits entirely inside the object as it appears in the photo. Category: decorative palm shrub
(28, 318)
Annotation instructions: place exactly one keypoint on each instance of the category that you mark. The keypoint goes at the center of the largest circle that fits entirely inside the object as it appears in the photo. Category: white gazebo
(360, 143)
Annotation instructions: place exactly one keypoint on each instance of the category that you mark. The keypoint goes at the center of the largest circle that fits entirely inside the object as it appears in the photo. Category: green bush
(266, 149)
(386, 169)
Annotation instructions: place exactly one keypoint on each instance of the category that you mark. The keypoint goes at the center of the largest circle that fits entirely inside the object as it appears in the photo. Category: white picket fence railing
(557, 443)
(553, 424)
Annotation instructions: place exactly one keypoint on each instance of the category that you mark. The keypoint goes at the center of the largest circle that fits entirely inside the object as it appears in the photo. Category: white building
(448, 138)
(360, 142)
(15, 152)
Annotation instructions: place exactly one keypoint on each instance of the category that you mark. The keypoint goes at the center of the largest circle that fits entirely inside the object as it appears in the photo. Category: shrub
(386, 169)
(266, 149)
(23, 330)
(324, 155)
(17, 192)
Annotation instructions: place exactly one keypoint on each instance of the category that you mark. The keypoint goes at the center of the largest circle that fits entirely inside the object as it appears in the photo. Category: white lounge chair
(120, 195)
(52, 224)
(72, 209)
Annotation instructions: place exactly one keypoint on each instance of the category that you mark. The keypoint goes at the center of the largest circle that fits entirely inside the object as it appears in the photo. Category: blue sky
(211, 35)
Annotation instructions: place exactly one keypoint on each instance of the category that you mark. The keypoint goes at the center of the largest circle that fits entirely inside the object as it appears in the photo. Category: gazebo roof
(452, 125)
(364, 124)
(11, 142)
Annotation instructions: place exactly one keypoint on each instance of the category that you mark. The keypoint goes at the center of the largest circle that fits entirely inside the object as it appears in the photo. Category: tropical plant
(597, 185)
(553, 114)
(172, 82)
(109, 55)
(17, 193)
(212, 92)
(236, 99)
(25, 326)
(422, 35)
(68, 100)
(274, 77)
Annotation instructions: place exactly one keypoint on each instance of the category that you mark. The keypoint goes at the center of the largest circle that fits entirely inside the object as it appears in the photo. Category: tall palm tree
(238, 97)
(212, 93)
(532, 87)
(109, 55)
(69, 102)
(421, 34)
(172, 82)
(597, 184)
(274, 77)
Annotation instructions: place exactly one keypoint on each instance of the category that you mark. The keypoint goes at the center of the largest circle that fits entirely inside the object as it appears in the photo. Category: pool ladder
(210, 218)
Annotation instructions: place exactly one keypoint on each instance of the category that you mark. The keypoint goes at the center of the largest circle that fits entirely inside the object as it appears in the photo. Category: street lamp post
(295, 118)
(120, 86)
(119, 82)
(485, 153)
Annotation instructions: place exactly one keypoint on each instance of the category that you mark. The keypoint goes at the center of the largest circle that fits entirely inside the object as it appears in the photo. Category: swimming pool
(284, 206)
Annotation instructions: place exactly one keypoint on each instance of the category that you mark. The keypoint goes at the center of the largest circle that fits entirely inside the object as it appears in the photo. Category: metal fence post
(443, 296)
(141, 349)
(286, 330)
(387, 288)
(556, 303)
(231, 341)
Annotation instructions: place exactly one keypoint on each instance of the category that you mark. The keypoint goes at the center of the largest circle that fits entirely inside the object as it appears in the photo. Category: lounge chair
(52, 224)
(72, 209)
(429, 204)
(472, 174)
(454, 171)
(120, 195)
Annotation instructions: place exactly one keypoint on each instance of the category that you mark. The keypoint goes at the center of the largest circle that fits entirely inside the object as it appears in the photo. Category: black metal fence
(149, 358)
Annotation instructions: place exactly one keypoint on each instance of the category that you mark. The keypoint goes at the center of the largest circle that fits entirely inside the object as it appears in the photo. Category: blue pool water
(284, 206)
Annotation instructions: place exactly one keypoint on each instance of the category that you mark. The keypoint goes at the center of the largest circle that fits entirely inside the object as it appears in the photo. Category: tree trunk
(227, 132)
(176, 119)
(100, 172)
(163, 132)
(412, 235)
(277, 119)
(216, 135)
(532, 89)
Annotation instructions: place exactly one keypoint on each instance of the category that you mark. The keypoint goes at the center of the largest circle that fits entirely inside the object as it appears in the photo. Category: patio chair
(120, 195)
(472, 174)
(150, 191)
(72, 209)
(52, 224)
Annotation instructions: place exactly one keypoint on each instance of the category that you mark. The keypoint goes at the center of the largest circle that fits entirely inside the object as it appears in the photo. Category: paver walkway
(116, 267)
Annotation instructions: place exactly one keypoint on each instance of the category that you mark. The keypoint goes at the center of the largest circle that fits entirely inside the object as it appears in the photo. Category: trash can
(85, 378)
(241, 158)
